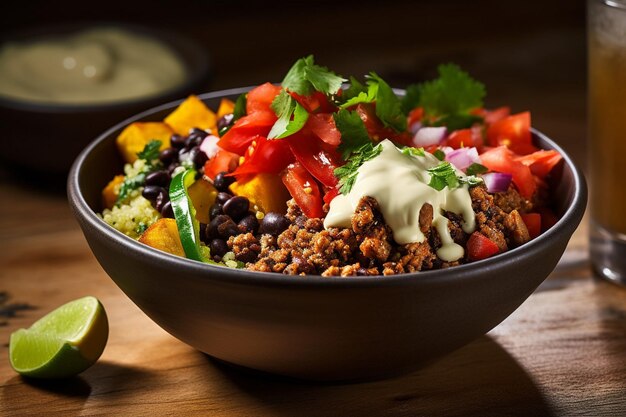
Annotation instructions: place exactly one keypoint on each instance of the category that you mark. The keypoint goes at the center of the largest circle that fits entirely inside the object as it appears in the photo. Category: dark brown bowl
(48, 137)
(314, 327)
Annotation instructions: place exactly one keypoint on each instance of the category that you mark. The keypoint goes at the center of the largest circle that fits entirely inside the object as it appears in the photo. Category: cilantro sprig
(150, 150)
(285, 108)
(444, 175)
(305, 76)
(150, 154)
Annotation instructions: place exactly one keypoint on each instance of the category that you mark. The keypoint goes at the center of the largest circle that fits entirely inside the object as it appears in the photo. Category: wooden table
(563, 352)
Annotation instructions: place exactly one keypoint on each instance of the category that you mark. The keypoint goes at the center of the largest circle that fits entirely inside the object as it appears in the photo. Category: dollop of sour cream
(94, 66)
(399, 183)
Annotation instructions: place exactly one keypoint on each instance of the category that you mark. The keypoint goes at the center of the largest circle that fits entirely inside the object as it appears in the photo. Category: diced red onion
(446, 149)
(497, 182)
(209, 146)
(463, 157)
(428, 136)
(415, 127)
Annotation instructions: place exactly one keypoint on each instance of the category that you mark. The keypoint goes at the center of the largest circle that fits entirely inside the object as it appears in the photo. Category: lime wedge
(63, 343)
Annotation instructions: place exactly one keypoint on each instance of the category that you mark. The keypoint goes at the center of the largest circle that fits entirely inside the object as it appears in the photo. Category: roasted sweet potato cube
(163, 235)
(111, 191)
(136, 135)
(266, 191)
(202, 194)
(189, 114)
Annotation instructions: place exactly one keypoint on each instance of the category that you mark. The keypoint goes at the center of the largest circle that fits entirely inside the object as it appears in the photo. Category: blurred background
(530, 55)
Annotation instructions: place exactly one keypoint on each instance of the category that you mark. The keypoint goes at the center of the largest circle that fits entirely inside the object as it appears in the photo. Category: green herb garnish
(439, 154)
(240, 107)
(411, 98)
(443, 175)
(150, 151)
(304, 77)
(129, 185)
(409, 151)
(347, 173)
(354, 135)
(476, 169)
(285, 107)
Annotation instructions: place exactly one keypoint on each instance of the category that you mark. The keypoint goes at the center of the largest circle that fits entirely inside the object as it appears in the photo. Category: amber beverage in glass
(607, 136)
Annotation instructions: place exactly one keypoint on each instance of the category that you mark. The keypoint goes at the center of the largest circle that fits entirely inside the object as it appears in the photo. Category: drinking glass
(606, 36)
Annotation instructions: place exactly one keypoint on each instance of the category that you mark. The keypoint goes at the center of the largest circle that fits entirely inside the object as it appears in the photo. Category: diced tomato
(513, 132)
(316, 157)
(330, 194)
(548, 218)
(541, 162)
(315, 103)
(415, 116)
(239, 137)
(375, 128)
(495, 115)
(533, 224)
(480, 247)
(223, 161)
(265, 155)
(260, 98)
(502, 159)
(465, 138)
(303, 189)
(323, 125)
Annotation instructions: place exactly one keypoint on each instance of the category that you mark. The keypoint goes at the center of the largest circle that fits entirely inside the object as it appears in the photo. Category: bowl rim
(169, 38)
(567, 223)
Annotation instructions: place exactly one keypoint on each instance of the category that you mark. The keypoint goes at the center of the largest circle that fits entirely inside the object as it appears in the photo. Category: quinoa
(133, 217)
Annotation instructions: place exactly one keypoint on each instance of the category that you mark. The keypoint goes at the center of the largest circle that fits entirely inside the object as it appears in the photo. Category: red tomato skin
(265, 155)
(533, 223)
(316, 102)
(375, 128)
(239, 137)
(502, 159)
(513, 132)
(223, 161)
(323, 126)
(415, 116)
(319, 159)
(465, 138)
(541, 162)
(330, 195)
(480, 247)
(495, 115)
(304, 190)
(260, 98)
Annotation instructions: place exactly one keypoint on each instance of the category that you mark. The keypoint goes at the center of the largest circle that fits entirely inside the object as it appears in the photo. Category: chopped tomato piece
(492, 116)
(330, 194)
(375, 128)
(533, 223)
(415, 116)
(502, 159)
(541, 162)
(480, 247)
(513, 132)
(303, 189)
(315, 103)
(239, 137)
(323, 125)
(548, 218)
(260, 98)
(264, 155)
(223, 161)
(465, 138)
(316, 157)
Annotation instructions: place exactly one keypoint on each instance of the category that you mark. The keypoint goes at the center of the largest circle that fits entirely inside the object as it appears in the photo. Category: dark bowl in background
(48, 137)
(313, 327)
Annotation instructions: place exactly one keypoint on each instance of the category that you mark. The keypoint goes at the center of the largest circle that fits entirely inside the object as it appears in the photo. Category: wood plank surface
(563, 352)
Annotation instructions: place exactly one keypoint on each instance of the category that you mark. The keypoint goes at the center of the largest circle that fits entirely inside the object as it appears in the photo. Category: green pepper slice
(185, 214)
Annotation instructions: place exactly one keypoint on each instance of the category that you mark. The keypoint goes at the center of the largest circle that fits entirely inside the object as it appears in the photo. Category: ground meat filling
(368, 248)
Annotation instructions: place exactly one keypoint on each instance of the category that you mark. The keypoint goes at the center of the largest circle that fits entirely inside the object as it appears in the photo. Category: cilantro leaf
(411, 98)
(129, 185)
(354, 136)
(407, 150)
(240, 107)
(452, 93)
(471, 180)
(439, 154)
(475, 169)
(305, 76)
(286, 106)
(353, 90)
(150, 151)
(347, 173)
(443, 175)
(364, 96)
(388, 106)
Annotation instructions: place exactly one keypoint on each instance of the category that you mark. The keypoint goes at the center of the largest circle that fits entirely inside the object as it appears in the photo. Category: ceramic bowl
(313, 327)
(48, 137)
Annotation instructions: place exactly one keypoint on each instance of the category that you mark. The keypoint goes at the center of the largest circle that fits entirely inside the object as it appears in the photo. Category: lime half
(63, 343)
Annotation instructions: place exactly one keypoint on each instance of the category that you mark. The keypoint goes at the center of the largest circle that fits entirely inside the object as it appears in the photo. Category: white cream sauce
(98, 65)
(399, 183)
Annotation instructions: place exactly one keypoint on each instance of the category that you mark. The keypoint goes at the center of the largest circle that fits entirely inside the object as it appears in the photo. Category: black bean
(273, 223)
(223, 197)
(161, 178)
(171, 167)
(168, 155)
(195, 138)
(248, 224)
(150, 192)
(236, 207)
(161, 199)
(224, 121)
(177, 141)
(222, 182)
(167, 210)
(199, 158)
(218, 247)
(198, 132)
(215, 210)
(222, 226)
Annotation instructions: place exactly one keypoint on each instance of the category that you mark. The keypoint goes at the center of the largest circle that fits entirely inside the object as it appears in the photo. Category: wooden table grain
(563, 352)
